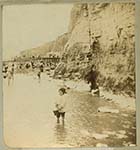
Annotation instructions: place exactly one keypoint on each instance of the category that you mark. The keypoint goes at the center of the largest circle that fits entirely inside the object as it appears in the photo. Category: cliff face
(100, 34)
(106, 30)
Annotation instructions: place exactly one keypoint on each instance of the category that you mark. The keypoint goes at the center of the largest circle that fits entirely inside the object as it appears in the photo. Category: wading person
(60, 105)
(41, 66)
(10, 75)
(13, 70)
(5, 72)
(40, 71)
(39, 75)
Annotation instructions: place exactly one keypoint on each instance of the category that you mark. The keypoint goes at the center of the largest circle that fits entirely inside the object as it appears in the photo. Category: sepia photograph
(69, 76)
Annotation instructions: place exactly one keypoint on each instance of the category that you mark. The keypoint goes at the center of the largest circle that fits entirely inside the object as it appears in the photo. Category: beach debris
(101, 145)
(59, 76)
(132, 144)
(109, 132)
(128, 144)
(125, 115)
(126, 126)
(134, 128)
(108, 99)
(121, 136)
(95, 92)
(122, 132)
(107, 110)
(99, 136)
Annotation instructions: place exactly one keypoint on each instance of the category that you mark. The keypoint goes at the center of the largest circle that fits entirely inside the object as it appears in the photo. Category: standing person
(39, 75)
(41, 66)
(13, 70)
(5, 67)
(91, 77)
(10, 74)
(32, 64)
(40, 70)
(60, 105)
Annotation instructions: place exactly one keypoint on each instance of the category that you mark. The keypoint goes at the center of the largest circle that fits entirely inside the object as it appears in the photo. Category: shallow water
(29, 120)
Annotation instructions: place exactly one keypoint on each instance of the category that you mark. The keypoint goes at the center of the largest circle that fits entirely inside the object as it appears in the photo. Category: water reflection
(60, 133)
(81, 122)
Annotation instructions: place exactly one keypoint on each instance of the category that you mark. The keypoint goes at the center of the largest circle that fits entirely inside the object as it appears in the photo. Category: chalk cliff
(107, 31)
(102, 34)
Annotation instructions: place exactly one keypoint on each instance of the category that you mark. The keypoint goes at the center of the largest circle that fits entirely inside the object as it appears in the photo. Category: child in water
(60, 105)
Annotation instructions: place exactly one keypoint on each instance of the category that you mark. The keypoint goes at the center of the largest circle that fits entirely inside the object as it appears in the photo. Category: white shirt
(60, 103)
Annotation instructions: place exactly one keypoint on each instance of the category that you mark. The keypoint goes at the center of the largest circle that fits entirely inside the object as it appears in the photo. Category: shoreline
(124, 101)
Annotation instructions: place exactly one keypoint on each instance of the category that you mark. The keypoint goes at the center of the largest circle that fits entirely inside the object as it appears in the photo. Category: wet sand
(29, 120)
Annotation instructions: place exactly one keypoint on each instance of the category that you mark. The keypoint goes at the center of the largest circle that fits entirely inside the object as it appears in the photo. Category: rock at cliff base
(99, 136)
(121, 136)
(107, 110)
(101, 145)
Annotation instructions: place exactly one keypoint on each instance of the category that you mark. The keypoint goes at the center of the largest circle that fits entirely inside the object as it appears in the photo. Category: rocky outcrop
(100, 34)
(106, 31)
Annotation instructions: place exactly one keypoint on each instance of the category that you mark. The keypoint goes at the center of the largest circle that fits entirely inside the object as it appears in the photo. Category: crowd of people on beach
(37, 67)
(11, 68)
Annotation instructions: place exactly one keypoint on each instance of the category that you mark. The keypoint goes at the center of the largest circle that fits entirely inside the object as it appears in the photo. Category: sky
(29, 26)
